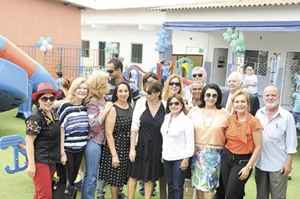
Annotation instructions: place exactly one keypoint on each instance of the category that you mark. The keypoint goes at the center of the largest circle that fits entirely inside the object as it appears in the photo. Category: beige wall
(25, 21)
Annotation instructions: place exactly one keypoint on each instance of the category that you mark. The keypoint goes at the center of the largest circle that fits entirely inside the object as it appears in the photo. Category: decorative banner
(44, 44)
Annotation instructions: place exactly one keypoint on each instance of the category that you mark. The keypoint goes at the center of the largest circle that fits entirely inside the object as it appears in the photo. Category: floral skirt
(206, 169)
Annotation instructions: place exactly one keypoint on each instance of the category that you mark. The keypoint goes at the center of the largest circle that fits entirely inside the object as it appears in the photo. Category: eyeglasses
(174, 84)
(174, 103)
(208, 95)
(45, 99)
(197, 75)
(197, 89)
(149, 92)
(110, 71)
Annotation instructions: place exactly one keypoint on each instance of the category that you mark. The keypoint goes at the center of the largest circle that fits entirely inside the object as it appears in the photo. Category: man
(278, 147)
(199, 75)
(115, 68)
(234, 82)
(196, 89)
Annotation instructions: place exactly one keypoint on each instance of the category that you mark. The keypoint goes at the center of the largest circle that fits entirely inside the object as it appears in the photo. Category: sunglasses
(45, 99)
(110, 71)
(197, 75)
(208, 95)
(174, 103)
(174, 84)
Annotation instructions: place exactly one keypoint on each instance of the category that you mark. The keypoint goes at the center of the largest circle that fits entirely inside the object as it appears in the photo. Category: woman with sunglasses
(146, 142)
(115, 159)
(243, 137)
(178, 145)
(43, 143)
(209, 121)
(74, 124)
(173, 85)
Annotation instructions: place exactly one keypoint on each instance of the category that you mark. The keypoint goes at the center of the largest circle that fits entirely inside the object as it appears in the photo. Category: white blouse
(178, 137)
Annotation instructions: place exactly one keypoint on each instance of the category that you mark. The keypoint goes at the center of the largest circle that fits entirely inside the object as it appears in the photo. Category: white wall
(126, 36)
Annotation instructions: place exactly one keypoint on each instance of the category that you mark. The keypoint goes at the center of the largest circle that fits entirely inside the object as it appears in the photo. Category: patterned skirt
(206, 169)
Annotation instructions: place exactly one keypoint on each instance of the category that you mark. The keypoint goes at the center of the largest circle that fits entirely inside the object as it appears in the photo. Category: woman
(209, 121)
(173, 85)
(43, 141)
(243, 144)
(97, 110)
(115, 158)
(74, 124)
(146, 142)
(178, 145)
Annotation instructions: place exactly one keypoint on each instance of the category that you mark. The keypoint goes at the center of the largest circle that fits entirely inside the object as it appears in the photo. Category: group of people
(161, 133)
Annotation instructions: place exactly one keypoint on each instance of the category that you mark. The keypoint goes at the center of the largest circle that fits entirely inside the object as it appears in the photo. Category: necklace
(208, 119)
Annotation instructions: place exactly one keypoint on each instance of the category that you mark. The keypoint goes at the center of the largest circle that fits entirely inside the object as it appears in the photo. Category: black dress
(121, 134)
(148, 165)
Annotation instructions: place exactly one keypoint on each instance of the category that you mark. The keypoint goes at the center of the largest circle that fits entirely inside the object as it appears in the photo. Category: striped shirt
(74, 119)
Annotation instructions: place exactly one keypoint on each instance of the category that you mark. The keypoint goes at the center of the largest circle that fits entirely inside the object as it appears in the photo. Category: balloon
(43, 49)
(50, 46)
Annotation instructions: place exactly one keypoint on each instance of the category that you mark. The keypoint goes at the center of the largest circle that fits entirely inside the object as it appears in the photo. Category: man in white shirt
(234, 83)
(278, 147)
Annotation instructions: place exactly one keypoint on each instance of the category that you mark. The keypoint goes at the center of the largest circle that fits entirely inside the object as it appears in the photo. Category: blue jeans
(92, 158)
(175, 179)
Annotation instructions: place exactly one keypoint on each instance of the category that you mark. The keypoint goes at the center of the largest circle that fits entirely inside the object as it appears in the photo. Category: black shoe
(70, 191)
(20, 115)
(78, 185)
(122, 196)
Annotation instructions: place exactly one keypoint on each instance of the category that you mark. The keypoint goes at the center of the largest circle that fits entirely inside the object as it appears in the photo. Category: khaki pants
(273, 183)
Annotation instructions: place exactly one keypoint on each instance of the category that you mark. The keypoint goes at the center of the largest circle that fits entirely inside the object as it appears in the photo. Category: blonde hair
(244, 93)
(166, 91)
(74, 86)
(97, 84)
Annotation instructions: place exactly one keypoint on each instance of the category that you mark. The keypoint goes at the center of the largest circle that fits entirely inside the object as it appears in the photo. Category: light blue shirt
(279, 138)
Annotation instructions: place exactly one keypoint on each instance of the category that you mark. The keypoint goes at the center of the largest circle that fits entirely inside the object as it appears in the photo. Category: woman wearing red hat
(43, 141)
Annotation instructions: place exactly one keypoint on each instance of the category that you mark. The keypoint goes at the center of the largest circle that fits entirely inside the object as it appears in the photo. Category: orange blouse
(209, 131)
(239, 135)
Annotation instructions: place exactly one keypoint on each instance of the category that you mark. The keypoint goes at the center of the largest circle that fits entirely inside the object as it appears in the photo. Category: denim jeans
(92, 158)
(175, 179)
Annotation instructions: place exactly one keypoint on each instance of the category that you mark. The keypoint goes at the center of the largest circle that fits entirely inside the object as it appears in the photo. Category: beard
(272, 105)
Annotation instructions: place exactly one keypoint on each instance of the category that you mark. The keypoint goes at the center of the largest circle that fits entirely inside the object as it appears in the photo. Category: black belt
(238, 158)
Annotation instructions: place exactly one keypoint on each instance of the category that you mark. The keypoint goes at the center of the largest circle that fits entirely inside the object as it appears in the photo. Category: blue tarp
(289, 26)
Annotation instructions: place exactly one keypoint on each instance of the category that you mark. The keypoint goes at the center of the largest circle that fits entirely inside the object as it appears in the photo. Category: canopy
(204, 26)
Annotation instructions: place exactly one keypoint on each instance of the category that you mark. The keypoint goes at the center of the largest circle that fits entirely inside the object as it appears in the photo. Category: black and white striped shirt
(74, 120)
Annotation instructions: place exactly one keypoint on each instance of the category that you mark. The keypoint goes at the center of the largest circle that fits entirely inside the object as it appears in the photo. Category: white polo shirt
(279, 139)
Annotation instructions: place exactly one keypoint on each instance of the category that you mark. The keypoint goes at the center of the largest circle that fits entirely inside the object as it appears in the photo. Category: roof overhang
(204, 26)
(202, 4)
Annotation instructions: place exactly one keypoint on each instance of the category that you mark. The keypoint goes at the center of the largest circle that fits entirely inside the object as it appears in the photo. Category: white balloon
(43, 49)
(49, 47)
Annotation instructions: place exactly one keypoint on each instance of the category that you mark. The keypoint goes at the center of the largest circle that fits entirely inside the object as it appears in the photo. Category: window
(85, 45)
(258, 59)
(101, 53)
(136, 53)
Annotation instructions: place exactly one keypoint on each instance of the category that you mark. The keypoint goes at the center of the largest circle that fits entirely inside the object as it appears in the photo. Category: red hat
(43, 88)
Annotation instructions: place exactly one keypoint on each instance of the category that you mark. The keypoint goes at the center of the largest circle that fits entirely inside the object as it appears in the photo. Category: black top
(148, 165)
(47, 132)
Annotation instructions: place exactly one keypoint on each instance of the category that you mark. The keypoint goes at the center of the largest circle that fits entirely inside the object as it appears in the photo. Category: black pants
(72, 166)
(231, 164)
